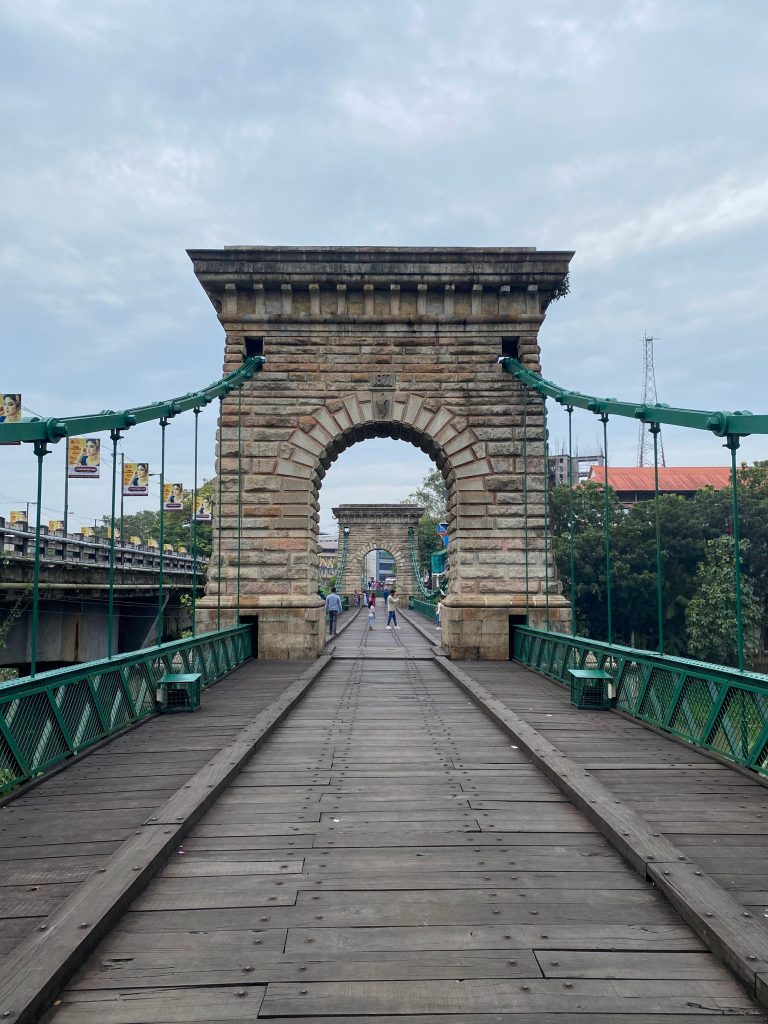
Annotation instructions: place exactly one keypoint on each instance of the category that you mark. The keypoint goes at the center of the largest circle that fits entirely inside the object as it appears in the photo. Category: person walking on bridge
(332, 607)
(392, 609)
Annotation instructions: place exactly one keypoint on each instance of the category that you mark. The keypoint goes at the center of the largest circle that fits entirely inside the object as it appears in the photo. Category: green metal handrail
(709, 706)
(723, 424)
(426, 608)
(57, 714)
(54, 429)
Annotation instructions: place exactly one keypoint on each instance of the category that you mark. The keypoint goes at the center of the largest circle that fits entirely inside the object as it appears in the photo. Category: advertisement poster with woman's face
(55, 526)
(18, 519)
(136, 479)
(87, 531)
(204, 511)
(173, 497)
(10, 410)
(83, 457)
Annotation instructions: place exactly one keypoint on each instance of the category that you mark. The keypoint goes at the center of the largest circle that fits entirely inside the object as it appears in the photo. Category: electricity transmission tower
(644, 437)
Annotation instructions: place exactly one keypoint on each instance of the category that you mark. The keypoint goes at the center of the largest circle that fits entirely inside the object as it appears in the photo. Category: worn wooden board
(491, 995)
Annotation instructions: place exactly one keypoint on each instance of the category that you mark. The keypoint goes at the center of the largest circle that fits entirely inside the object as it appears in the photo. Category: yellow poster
(173, 497)
(83, 457)
(55, 526)
(87, 531)
(167, 547)
(135, 540)
(136, 479)
(109, 533)
(19, 519)
(152, 543)
(182, 550)
(203, 512)
(10, 410)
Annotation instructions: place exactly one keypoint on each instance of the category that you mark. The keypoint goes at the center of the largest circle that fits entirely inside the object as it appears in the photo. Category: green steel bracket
(721, 424)
(54, 429)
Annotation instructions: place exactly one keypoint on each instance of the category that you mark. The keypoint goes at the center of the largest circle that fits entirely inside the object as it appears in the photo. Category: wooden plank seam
(728, 930)
(36, 971)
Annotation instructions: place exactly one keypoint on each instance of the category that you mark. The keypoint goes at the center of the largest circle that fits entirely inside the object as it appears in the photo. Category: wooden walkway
(388, 854)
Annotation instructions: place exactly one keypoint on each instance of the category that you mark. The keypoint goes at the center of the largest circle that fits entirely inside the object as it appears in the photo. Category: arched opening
(378, 570)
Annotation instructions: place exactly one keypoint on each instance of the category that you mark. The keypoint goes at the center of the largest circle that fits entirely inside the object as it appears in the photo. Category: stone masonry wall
(366, 343)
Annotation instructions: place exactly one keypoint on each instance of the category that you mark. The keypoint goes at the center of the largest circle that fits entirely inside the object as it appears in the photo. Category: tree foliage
(711, 612)
(688, 528)
(432, 495)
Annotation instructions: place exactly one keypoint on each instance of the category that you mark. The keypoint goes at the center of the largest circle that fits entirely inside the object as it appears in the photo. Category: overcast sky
(632, 131)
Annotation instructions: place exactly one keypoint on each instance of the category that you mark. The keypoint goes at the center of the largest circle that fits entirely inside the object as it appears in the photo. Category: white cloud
(725, 205)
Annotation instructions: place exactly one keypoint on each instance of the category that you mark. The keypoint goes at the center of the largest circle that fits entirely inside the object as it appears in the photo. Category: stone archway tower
(381, 342)
(378, 526)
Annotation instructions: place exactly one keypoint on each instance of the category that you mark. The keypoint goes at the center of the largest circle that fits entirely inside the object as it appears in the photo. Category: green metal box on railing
(179, 691)
(591, 689)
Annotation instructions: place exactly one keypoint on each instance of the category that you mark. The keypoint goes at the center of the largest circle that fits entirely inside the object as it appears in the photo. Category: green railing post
(607, 528)
(160, 604)
(546, 513)
(525, 497)
(732, 443)
(572, 558)
(655, 429)
(194, 532)
(239, 491)
(41, 450)
(115, 436)
(218, 504)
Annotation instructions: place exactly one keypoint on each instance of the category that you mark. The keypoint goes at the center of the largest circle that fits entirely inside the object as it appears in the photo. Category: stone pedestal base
(478, 628)
(289, 627)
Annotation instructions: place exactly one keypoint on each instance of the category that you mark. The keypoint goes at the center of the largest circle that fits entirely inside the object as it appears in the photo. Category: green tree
(711, 612)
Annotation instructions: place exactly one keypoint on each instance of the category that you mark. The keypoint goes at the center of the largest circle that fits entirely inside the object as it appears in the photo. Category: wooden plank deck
(387, 855)
(61, 832)
(715, 814)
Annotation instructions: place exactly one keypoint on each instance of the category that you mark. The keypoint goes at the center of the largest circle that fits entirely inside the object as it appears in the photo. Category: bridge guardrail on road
(57, 714)
(710, 706)
(75, 550)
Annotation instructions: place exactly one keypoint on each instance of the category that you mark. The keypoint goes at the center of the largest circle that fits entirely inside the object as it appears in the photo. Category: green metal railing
(710, 706)
(57, 714)
(427, 608)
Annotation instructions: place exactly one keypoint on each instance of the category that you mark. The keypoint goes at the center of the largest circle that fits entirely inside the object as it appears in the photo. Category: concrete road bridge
(492, 819)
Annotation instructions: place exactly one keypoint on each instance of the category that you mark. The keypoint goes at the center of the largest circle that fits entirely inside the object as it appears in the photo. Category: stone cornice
(393, 283)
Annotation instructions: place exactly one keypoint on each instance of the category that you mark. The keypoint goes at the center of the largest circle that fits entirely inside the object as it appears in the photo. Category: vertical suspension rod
(607, 528)
(41, 450)
(115, 436)
(160, 602)
(194, 532)
(570, 520)
(733, 443)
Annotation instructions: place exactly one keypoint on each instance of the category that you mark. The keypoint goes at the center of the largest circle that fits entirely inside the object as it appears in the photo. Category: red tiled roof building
(635, 483)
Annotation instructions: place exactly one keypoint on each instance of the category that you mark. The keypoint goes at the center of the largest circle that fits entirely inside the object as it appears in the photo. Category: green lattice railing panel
(709, 706)
(57, 714)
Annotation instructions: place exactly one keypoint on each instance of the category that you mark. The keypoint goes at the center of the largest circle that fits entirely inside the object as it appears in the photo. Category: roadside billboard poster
(204, 510)
(135, 479)
(83, 458)
(19, 519)
(173, 497)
